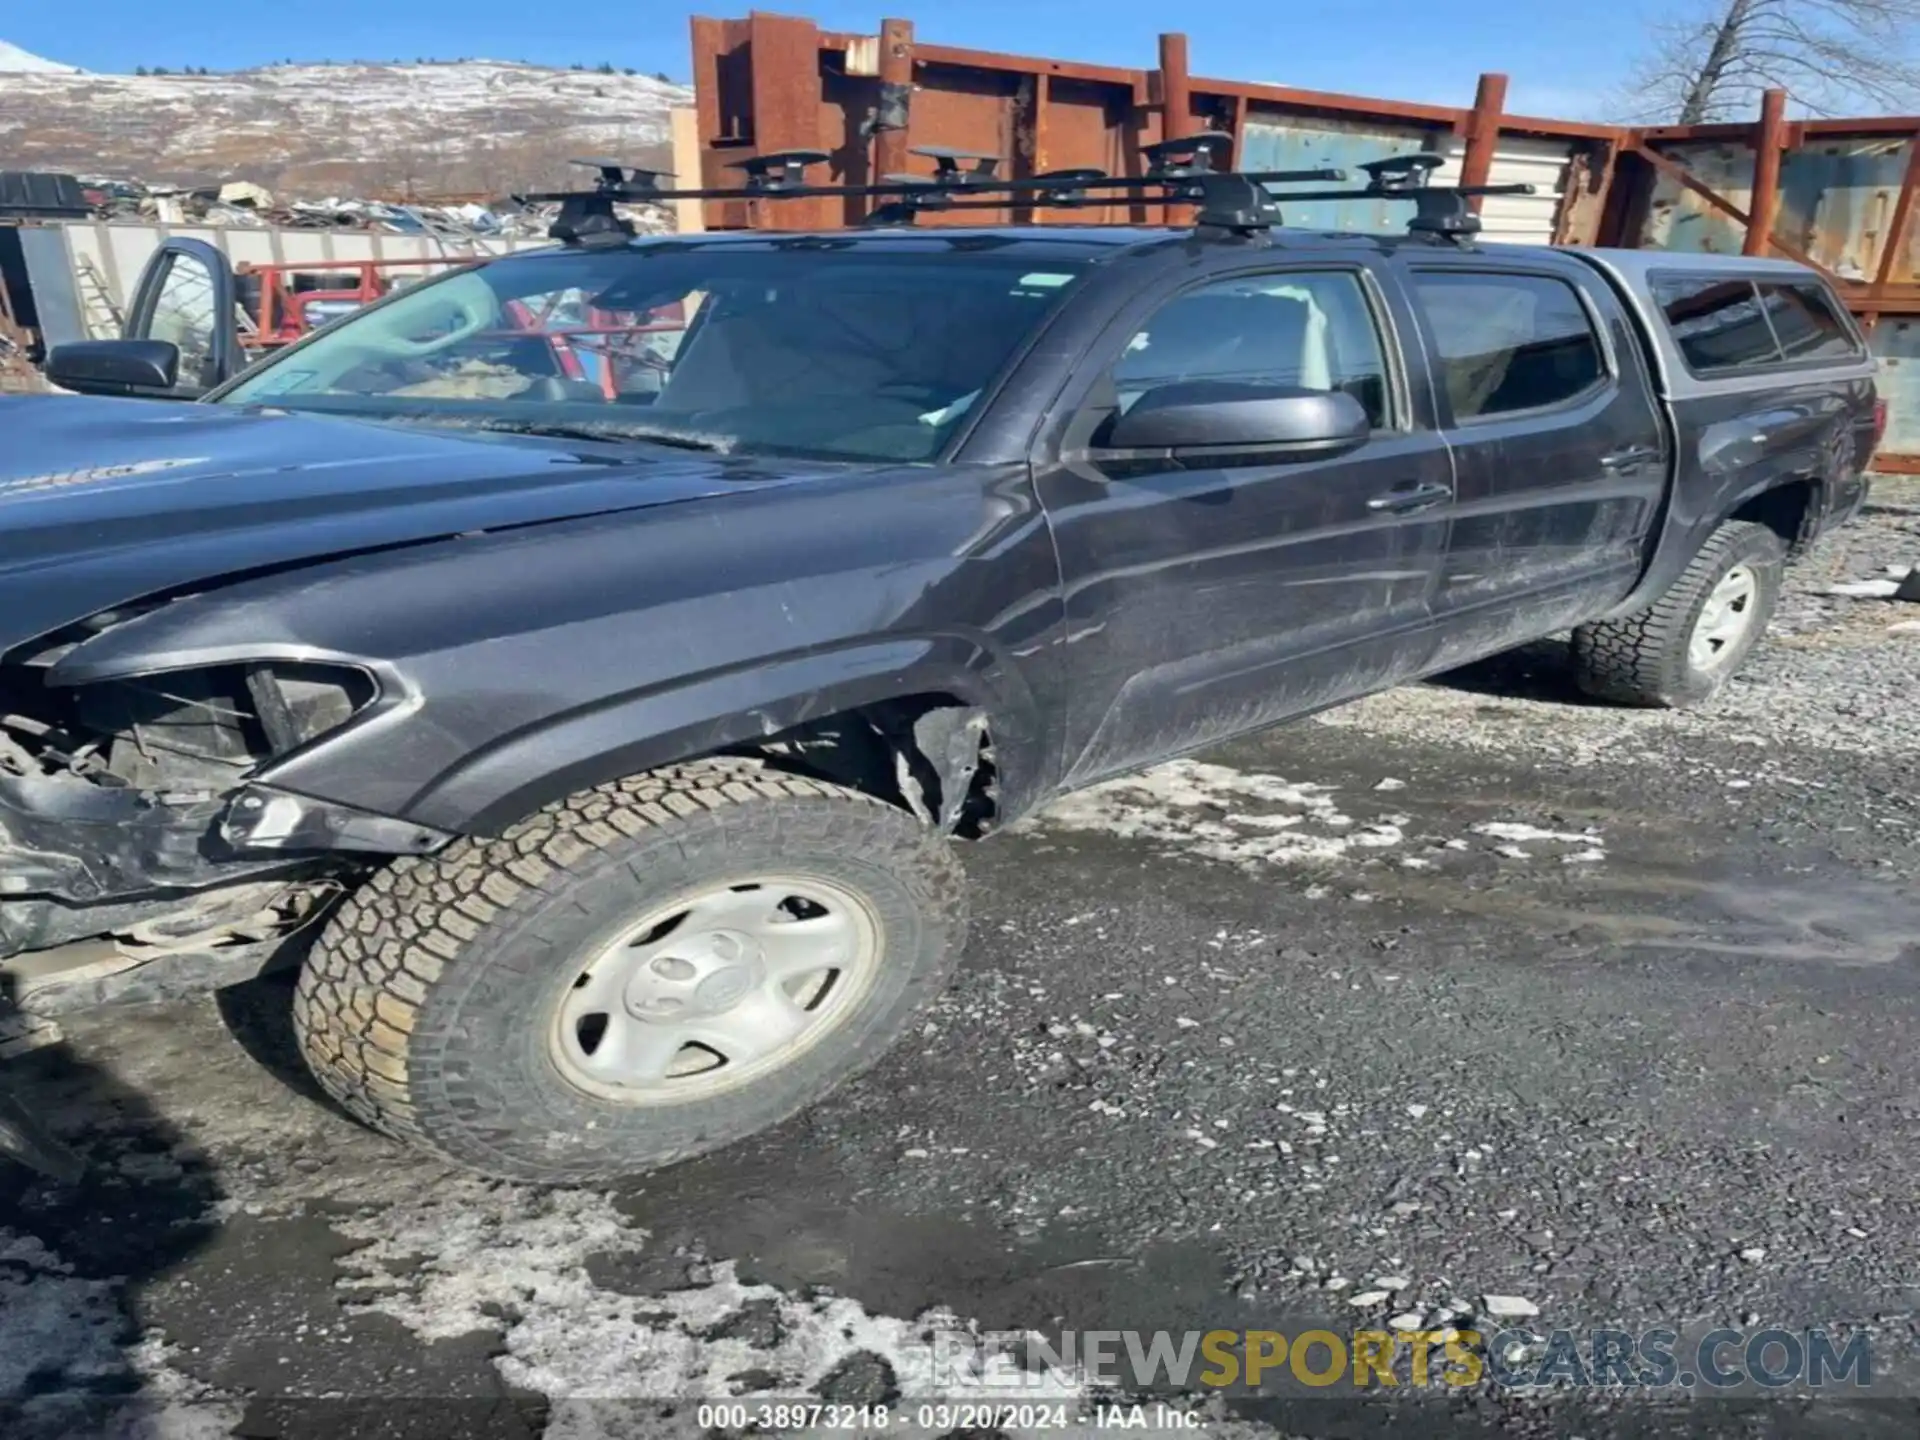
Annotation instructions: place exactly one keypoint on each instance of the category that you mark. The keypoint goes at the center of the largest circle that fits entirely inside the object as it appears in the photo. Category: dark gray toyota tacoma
(588, 655)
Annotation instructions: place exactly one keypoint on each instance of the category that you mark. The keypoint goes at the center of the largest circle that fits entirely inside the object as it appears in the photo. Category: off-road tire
(421, 1006)
(1643, 658)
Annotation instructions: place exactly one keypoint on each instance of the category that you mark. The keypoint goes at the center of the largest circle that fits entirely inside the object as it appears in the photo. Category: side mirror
(1223, 414)
(149, 368)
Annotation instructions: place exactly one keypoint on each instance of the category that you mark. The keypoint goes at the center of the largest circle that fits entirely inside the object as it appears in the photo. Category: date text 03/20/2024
(945, 1416)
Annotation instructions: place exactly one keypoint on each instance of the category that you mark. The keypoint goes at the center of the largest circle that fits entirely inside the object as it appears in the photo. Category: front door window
(184, 316)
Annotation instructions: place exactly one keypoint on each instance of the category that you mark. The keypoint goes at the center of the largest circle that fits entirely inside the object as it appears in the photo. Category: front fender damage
(950, 741)
(138, 857)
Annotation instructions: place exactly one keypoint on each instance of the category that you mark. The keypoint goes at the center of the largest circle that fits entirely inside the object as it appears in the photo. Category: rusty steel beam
(1176, 94)
(1176, 108)
(1327, 102)
(1134, 80)
(1896, 237)
(892, 141)
(1768, 141)
(1680, 175)
(1481, 129)
(714, 42)
(1866, 127)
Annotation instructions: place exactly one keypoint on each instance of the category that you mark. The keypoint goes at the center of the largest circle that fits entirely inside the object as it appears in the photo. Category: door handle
(1630, 457)
(1403, 499)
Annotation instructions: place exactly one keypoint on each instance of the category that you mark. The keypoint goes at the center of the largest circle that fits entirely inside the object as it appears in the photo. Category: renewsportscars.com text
(1654, 1359)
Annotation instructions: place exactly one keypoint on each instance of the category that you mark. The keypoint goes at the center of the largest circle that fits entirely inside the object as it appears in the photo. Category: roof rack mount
(1179, 171)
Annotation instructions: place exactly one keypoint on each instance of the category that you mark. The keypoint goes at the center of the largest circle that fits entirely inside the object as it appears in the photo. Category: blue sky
(1561, 61)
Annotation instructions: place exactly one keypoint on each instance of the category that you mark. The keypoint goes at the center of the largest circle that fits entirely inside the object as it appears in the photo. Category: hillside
(310, 131)
(15, 60)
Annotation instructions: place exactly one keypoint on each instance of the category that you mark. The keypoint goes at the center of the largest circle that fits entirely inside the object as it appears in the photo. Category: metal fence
(1834, 194)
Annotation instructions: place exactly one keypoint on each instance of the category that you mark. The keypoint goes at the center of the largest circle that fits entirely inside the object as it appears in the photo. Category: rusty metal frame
(772, 82)
(1758, 241)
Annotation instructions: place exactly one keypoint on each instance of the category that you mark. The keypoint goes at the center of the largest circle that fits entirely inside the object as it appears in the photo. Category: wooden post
(1483, 133)
(689, 216)
(1768, 138)
(893, 141)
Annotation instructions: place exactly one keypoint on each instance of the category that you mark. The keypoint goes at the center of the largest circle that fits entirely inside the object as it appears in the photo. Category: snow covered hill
(15, 60)
(467, 127)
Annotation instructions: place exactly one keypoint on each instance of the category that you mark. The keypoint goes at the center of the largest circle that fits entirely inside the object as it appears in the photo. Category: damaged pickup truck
(579, 664)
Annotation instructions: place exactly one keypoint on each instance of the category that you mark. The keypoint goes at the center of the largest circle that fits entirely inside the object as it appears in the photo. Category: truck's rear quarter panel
(1801, 432)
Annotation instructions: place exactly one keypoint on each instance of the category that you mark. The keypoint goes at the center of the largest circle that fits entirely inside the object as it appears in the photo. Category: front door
(1206, 599)
(186, 298)
(1559, 453)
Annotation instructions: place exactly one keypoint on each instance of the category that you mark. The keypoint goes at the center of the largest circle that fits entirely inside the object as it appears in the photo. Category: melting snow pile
(466, 1266)
(1251, 819)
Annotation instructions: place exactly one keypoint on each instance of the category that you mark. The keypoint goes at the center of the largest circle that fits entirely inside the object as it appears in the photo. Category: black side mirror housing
(1230, 414)
(149, 368)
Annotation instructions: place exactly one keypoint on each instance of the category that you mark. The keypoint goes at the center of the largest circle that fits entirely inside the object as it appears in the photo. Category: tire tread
(361, 989)
(1641, 659)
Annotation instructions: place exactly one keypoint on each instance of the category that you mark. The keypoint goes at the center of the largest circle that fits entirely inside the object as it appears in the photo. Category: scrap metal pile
(243, 204)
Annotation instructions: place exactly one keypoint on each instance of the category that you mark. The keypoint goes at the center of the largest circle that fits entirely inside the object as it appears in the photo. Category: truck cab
(612, 729)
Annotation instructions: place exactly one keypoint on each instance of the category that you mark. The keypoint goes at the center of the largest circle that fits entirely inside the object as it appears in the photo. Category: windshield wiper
(604, 434)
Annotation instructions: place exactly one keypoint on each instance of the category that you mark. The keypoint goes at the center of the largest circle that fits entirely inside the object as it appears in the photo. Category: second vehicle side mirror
(148, 368)
(1230, 414)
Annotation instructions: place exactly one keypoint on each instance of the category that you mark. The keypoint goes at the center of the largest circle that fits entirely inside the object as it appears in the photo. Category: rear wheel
(646, 971)
(1681, 649)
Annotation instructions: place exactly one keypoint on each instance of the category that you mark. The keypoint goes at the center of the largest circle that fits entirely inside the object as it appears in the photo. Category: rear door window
(1508, 343)
(1804, 319)
(1719, 325)
(1725, 325)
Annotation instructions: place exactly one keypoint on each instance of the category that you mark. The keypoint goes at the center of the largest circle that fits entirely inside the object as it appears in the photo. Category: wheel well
(1785, 510)
(930, 754)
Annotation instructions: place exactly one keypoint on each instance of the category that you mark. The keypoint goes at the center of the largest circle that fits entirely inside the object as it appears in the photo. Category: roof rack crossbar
(588, 217)
(1179, 171)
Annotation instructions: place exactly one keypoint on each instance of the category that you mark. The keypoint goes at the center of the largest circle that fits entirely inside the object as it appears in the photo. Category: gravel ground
(1471, 990)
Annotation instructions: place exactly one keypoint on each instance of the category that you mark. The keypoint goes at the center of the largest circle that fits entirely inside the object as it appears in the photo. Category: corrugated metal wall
(1299, 143)
(1837, 200)
(1896, 340)
(1517, 219)
(1294, 143)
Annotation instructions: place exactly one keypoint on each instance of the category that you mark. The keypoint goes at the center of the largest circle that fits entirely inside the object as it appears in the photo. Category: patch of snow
(1208, 811)
(63, 1335)
(1865, 589)
(569, 1339)
(15, 61)
(1501, 830)
(1508, 1307)
(58, 1325)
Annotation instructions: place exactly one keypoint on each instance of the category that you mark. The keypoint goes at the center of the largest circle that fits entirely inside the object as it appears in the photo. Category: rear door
(186, 297)
(1560, 453)
(1206, 598)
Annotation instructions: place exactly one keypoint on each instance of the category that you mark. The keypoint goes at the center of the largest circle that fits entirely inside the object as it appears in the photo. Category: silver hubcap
(715, 990)
(1727, 617)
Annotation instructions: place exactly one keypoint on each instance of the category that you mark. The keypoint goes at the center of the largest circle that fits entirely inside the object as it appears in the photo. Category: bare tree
(1830, 55)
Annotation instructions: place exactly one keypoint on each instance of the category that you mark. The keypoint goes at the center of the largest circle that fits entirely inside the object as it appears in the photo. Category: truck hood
(103, 502)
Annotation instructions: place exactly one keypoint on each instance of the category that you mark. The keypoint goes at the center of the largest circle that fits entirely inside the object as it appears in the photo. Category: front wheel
(1681, 649)
(641, 973)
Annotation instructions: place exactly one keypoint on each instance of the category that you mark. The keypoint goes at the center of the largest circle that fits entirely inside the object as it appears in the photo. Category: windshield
(853, 354)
